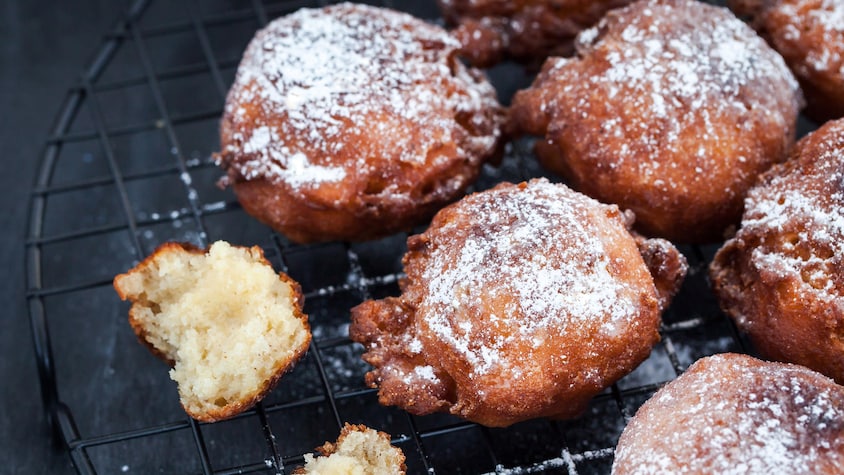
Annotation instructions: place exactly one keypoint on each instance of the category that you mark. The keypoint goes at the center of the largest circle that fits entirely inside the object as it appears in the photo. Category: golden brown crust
(522, 301)
(142, 332)
(353, 122)
(809, 34)
(671, 108)
(234, 408)
(328, 448)
(782, 276)
(527, 31)
(732, 413)
(385, 324)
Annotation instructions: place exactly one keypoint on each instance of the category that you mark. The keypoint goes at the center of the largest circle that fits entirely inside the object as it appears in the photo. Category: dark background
(44, 46)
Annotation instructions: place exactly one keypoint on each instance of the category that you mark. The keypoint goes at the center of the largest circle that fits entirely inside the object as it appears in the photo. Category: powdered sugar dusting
(324, 93)
(830, 14)
(731, 414)
(803, 212)
(415, 376)
(293, 167)
(675, 67)
(541, 254)
(823, 227)
(425, 372)
(824, 18)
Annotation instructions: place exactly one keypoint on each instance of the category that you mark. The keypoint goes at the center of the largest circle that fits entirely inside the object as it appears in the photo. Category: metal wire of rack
(128, 166)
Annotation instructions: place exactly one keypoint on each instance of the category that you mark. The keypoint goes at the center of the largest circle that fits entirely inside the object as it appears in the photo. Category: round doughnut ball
(809, 34)
(353, 122)
(522, 301)
(781, 278)
(671, 108)
(730, 414)
(492, 30)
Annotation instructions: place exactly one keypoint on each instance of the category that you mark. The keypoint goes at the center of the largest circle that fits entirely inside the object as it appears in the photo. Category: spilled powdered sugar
(737, 415)
(349, 83)
(537, 250)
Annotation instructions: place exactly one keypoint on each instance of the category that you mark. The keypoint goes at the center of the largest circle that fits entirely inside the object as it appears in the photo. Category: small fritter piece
(353, 122)
(731, 414)
(671, 109)
(528, 31)
(359, 450)
(782, 277)
(522, 301)
(809, 34)
(222, 318)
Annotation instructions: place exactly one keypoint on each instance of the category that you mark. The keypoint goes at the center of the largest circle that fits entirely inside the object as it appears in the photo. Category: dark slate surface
(43, 47)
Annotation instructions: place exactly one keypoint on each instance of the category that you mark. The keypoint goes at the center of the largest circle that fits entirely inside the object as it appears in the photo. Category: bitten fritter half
(222, 318)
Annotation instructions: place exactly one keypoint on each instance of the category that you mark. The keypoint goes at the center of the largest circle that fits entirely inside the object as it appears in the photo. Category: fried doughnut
(527, 31)
(353, 122)
(809, 34)
(522, 301)
(732, 413)
(782, 277)
(671, 109)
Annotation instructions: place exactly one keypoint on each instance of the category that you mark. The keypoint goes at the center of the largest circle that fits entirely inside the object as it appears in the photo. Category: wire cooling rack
(128, 166)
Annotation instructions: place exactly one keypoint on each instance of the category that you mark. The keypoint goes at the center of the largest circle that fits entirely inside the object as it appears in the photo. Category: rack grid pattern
(128, 166)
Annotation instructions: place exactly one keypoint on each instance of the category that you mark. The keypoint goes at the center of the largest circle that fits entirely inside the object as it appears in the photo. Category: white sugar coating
(294, 168)
(828, 17)
(665, 76)
(809, 205)
(732, 414)
(416, 376)
(351, 82)
(831, 15)
(539, 251)
(821, 226)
